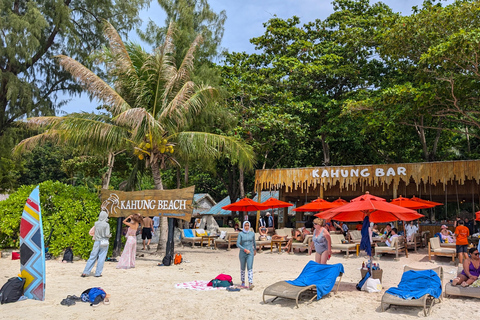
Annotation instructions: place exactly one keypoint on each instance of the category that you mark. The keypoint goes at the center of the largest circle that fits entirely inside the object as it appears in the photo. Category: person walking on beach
(147, 231)
(156, 223)
(127, 260)
(100, 246)
(321, 241)
(247, 246)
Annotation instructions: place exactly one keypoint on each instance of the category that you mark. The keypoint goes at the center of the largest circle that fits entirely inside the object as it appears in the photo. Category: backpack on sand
(12, 290)
(68, 255)
(178, 258)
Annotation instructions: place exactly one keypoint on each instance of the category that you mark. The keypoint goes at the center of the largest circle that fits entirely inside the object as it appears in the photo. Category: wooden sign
(175, 203)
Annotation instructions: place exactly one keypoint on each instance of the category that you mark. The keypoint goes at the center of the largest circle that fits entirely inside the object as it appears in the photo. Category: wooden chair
(229, 240)
(435, 249)
(338, 245)
(397, 246)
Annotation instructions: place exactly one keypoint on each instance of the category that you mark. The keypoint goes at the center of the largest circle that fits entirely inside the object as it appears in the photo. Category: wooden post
(117, 243)
(258, 211)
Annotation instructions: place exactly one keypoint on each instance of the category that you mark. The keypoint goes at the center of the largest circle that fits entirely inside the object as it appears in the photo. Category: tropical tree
(152, 102)
(32, 32)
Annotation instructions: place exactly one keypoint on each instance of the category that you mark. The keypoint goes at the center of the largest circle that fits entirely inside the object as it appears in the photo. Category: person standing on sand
(321, 241)
(247, 246)
(127, 260)
(147, 231)
(99, 253)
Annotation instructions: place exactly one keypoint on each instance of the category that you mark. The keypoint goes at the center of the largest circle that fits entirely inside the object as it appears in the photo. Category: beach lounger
(414, 242)
(435, 249)
(355, 236)
(189, 236)
(261, 243)
(458, 290)
(418, 288)
(303, 245)
(397, 245)
(230, 239)
(338, 245)
(284, 232)
(321, 277)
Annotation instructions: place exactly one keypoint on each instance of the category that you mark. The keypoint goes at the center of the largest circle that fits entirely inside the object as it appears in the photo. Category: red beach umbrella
(316, 205)
(378, 210)
(411, 204)
(433, 203)
(339, 202)
(273, 203)
(245, 204)
(477, 215)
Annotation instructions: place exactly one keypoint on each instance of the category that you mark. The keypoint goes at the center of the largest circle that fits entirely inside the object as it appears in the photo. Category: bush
(69, 211)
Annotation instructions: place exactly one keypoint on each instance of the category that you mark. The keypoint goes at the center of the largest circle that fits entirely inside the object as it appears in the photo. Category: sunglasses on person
(475, 254)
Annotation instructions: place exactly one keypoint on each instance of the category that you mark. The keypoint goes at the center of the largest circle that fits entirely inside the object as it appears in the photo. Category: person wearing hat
(447, 235)
(270, 223)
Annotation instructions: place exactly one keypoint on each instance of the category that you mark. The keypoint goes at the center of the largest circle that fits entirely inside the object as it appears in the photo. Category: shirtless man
(147, 231)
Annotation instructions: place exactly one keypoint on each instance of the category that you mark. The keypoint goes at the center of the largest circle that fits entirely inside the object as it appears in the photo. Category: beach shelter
(244, 204)
(411, 204)
(316, 205)
(369, 208)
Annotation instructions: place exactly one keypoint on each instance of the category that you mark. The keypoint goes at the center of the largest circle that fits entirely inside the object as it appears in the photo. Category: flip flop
(67, 302)
(233, 289)
(106, 301)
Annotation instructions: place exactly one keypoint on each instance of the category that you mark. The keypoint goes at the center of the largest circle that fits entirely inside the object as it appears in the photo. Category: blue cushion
(188, 233)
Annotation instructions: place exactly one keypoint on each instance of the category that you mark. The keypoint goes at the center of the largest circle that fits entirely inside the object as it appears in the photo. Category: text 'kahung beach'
(153, 204)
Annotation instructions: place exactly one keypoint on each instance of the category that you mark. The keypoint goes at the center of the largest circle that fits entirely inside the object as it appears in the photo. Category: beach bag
(167, 260)
(104, 243)
(222, 280)
(223, 234)
(93, 295)
(362, 282)
(68, 255)
(177, 259)
(372, 285)
(12, 290)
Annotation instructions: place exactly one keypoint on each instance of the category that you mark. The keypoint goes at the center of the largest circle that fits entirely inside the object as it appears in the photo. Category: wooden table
(208, 238)
(278, 243)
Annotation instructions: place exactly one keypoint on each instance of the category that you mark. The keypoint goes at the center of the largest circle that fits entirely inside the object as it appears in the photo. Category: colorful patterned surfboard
(32, 248)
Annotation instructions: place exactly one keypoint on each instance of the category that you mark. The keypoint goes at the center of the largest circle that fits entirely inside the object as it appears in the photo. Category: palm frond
(187, 62)
(121, 57)
(139, 120)
(188, 101)
(94, 85)
(41, 122)
(29, 144)
(202, 145)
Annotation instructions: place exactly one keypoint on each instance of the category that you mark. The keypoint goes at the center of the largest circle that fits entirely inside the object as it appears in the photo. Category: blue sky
(245, 20)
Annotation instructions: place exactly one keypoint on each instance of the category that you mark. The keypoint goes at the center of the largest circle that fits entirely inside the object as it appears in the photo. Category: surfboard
(32, 248)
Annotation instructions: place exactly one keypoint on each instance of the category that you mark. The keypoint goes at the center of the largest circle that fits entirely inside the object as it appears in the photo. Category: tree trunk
(106, 177)
(179, 183)
(326, 151)
(157, 180)
(241, 183)
(423, 140)
(186, 175)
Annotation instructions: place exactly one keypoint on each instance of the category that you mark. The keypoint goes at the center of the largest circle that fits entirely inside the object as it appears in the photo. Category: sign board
(175, 203)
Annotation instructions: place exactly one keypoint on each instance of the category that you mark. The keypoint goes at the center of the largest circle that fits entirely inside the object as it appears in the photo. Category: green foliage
(32, 32)
(69, 211)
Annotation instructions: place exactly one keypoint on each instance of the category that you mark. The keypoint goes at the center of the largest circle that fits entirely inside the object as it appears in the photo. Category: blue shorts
(462, 248)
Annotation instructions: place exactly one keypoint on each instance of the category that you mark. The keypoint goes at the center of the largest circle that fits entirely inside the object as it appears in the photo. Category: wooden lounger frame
(283, 289)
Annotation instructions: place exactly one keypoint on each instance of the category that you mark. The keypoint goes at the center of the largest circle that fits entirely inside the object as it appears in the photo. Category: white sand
(147, 292)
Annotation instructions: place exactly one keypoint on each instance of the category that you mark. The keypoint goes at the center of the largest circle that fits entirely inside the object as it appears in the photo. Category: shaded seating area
(417, 288)
(355, 236)
(319, 279)
(397, 246)
(434, 248)
(338, 245)
(414, 242)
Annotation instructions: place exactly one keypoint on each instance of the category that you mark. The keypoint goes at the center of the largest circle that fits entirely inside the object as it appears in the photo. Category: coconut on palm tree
(153, 103)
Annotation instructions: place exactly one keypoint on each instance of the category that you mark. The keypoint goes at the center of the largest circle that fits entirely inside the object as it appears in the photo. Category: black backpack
(68, 255)
(12, 290)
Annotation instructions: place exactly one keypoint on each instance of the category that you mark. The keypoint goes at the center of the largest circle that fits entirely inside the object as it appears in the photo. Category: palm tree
(153, 102)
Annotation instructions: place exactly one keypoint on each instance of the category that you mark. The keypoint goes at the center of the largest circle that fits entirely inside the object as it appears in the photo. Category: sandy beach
(148, 291)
